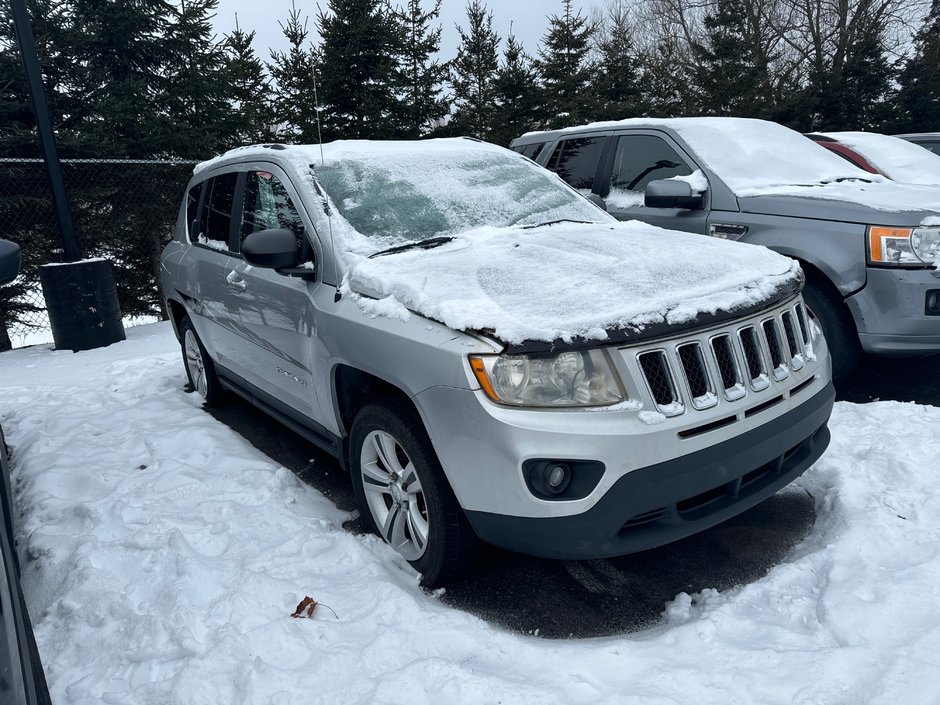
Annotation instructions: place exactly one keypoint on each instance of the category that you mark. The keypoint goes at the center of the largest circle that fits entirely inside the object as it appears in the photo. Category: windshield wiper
(555, 222)
(428, 244)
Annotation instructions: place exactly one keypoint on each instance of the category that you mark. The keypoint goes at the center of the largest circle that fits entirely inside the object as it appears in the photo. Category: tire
(829, 311)
(390, 453)
(200, 370)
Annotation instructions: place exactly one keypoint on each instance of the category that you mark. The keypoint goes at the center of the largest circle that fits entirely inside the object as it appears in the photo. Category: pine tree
(473, 74)
(361, 44)
(516, 94)
(730, 80)
(53, 36)
(250, 119)
(853, 96)
(421, 76)
(617, 85)
(294, 107)
(193, 88)
(919, 94)
(564, 69)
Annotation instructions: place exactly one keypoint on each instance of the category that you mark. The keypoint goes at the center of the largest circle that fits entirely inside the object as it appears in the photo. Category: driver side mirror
(672, 193)
(276, 249)
(9, 261)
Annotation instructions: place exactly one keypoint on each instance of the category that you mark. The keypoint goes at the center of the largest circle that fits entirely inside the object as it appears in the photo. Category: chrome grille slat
(723, 367)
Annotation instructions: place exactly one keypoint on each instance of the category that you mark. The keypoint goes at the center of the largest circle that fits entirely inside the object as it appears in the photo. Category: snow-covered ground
(164, 555)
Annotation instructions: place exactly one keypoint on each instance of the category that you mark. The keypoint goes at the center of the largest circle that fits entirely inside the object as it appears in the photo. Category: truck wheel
(404, 496)
(200, 369)
(837, 325)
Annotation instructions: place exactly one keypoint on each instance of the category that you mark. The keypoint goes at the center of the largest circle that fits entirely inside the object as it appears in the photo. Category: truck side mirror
(672, 193)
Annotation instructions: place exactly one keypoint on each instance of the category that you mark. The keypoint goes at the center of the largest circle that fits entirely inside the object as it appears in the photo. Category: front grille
(730, 364)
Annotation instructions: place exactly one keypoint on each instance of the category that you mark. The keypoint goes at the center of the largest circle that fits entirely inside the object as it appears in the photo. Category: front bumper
(661, 503)
(889, 312)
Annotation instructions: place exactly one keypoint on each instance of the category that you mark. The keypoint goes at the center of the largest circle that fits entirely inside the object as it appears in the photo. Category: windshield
(754, 156)
(413, 191)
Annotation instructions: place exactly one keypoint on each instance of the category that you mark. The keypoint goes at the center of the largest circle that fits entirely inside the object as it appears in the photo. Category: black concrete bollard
(81, 299)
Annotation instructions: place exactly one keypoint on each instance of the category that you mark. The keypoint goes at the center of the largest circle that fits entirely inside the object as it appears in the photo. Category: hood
(574, 282)
(877, 203)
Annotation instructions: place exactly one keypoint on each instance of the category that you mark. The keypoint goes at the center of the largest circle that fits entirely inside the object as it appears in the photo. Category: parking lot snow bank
(163, 556)
(566, 280)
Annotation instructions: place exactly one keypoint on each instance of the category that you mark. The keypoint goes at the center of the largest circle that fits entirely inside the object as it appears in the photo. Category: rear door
(206, 264)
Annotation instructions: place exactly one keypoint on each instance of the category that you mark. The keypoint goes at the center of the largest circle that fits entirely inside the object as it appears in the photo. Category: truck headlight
(570, 378)
(903, 246)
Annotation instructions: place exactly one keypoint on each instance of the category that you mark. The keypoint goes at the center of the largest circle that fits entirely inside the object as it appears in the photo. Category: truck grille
(727, 364)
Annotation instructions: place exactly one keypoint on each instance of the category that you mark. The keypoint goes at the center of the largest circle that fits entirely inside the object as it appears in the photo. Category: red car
(847, 153)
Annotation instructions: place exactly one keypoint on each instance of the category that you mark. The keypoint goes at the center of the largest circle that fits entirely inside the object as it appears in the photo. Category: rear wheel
(829, 311)
(200, 369)
(404, 496)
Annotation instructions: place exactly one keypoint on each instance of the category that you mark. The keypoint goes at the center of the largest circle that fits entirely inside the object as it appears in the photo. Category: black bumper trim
(662, 503)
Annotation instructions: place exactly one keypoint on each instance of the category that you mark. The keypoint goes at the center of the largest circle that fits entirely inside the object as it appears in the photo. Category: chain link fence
(123, 210)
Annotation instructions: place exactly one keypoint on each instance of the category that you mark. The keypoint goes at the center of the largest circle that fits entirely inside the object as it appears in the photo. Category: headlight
(571, 378)
(903, 246)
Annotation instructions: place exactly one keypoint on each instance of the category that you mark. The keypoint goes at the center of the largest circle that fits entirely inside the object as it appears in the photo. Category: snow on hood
(898, 159)
(573, 280)
(888, 196)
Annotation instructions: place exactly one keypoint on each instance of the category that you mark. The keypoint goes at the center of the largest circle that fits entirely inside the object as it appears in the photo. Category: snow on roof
(750, 155)
(897, 159)
(574, 280)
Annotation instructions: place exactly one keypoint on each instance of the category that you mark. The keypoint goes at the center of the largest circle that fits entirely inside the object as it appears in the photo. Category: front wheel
(404, 496)
(837, 325)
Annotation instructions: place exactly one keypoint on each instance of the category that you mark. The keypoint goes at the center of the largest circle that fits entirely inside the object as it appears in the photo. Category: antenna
(329, 216)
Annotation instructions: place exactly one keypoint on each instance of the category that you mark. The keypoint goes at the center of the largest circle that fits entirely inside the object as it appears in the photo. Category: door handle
(235, 282)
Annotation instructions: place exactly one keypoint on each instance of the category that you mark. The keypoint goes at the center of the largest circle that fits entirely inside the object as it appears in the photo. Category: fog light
(932, 307)
(558, 478)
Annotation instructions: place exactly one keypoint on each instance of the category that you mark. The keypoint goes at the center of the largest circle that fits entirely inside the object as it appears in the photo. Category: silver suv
(490, 355)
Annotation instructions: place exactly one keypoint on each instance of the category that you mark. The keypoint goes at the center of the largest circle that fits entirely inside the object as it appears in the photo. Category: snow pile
(696, 180)
(571, 280)
(163, 556)
(897, 159)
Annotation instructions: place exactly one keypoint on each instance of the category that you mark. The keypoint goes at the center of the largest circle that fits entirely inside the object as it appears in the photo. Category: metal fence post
(24, 36)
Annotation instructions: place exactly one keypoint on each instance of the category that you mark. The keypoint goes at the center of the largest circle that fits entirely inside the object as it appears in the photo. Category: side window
(217, 212)
(529, 150)
(575, 161)
(192, 210)
(638, 160)
(267, 205)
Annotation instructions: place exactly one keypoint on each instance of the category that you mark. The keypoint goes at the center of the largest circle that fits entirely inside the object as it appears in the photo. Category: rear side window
(639, 159)
(267, 206)
(575, 161)
(529, 150)
(217, 212)
(192, 210)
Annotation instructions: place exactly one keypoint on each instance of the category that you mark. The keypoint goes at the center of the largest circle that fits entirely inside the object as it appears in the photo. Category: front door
(638, 159)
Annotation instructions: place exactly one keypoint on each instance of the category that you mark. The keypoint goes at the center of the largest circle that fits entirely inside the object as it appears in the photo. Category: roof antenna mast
(326, 199)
